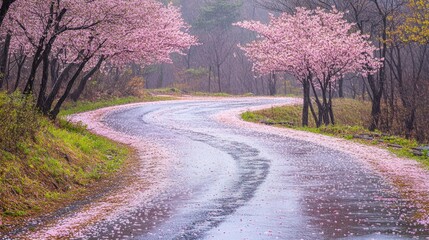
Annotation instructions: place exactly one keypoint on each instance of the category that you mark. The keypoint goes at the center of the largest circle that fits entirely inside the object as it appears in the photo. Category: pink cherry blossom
(121, 30)
(310, 42)
(317, 47)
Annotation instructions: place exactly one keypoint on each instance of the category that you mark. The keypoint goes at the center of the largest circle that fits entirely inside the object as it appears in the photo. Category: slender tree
(317, 47)
(5, 5)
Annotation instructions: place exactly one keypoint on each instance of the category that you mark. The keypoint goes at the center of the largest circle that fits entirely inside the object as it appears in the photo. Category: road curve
(205, 176)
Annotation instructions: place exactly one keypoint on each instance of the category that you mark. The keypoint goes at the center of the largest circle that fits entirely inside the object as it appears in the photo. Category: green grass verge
(59, 163)
(352, 117)
(84, 106)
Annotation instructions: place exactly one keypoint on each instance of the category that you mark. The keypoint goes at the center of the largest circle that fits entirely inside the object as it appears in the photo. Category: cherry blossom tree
(317, 47)
(77, 36)
(5, 5)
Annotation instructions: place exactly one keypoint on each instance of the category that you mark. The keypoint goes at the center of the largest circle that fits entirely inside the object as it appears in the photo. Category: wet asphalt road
(236, 183)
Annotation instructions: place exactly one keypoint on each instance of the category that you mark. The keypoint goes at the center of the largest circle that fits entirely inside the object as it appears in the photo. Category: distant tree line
(217, 64)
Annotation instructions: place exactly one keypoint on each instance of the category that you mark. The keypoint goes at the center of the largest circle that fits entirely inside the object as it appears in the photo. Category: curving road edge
(408, 176)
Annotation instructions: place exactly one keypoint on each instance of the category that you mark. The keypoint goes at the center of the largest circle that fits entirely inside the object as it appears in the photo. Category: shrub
(135, 86)
(18, 121)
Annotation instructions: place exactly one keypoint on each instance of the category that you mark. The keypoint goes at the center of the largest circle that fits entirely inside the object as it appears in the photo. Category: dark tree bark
(160, 82)
(409, 122)
(20, 61)
(210, 79)
(54, 113)
(377, 90)
(56, 88)
(306, 104)
(218, 77)
(45, 76)
(318, 119)
(4, 9)
(44, 46)
(331, 110)
(272, 84)
(4, 59)
(37, 60)
(40, 52)
(325, 109)
(376, 103)
(76, 94)
(54, 70)
(341, 88)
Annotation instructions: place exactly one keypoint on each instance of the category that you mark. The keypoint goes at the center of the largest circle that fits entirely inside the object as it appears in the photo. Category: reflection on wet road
(236, 183)
(228, 182)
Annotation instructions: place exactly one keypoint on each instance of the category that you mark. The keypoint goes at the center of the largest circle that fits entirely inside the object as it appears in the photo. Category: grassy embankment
(44, 165)
(352, 117)
(84, 106)
(179, 93)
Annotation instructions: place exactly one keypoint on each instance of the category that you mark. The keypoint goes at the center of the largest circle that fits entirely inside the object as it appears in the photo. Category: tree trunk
(20, 65)
(285, 86)
(56, 88)
(45, 75)
(4, 59)
(377, 91)
(210, 79)
(160, 81)
(325, 109)
(313, 112)
(331, 111)
(376, 103)
(76, 94)
(341, 88)
(34, 66)
(54, 113)
(272, 83)
(409, 123)
(44, 48)
(218, 78)
(324, 105)
(54, 69)
(4, 9)
(375, 112)
(318, 119)
(305, 106)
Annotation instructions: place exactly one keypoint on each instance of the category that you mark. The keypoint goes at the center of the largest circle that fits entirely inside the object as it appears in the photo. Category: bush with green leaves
(18, 121)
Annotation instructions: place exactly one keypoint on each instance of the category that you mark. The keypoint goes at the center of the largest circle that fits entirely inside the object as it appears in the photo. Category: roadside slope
(59, 164)
(140, 181)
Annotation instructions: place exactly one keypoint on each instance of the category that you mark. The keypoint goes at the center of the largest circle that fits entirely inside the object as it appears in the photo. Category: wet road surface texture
(228, 182)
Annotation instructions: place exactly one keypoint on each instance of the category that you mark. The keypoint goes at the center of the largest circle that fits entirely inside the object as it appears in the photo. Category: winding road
(204, 174)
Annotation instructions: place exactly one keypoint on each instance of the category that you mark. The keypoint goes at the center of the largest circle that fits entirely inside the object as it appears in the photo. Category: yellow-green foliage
(84, 106)
(57, 160)
(18, 121)
(415, 27)
(348, 112)
(352, 118)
